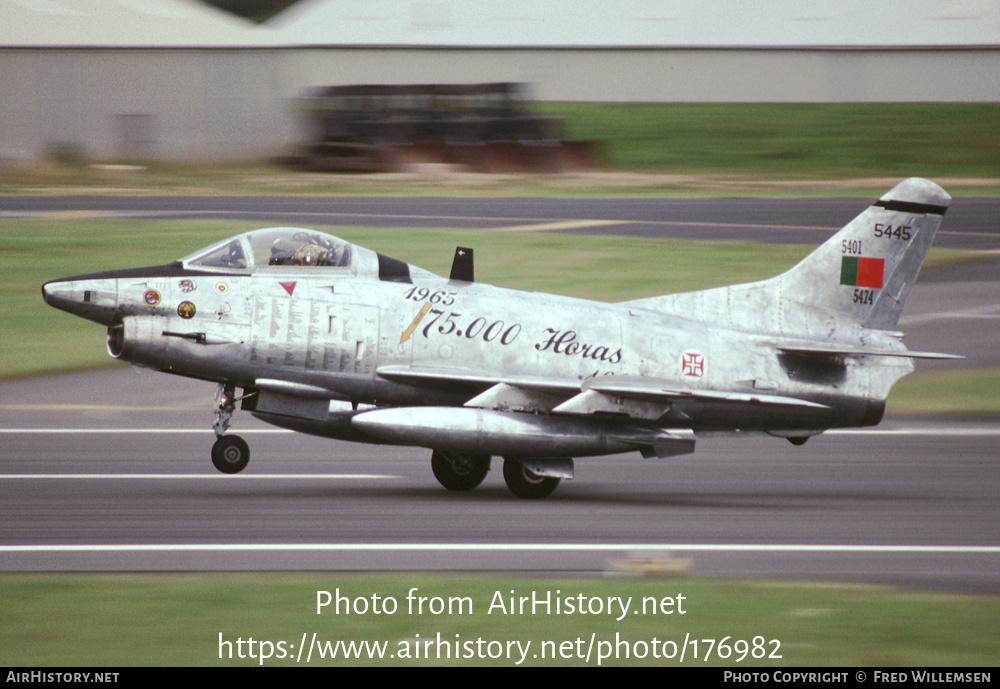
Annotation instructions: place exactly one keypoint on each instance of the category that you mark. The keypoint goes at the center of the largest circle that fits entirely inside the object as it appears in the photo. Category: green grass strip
(948, 393)
(825, 140)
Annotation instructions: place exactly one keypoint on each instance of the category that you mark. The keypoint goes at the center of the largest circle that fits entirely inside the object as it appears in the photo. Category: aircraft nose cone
(93, 299)
(57, 293)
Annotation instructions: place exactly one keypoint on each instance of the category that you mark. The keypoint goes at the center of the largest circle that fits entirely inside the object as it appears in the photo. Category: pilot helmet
(309, 255)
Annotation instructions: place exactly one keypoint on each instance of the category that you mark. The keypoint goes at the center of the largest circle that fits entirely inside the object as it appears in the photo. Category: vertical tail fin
(860, 276)
(866, 270)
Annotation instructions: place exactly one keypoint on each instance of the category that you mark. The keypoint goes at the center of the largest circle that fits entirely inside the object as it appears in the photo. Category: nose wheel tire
(459, 472)
(230, 454)
(524, 483)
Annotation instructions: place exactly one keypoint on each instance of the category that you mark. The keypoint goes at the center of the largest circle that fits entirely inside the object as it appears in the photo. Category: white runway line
(202, 477)
(501, 547)
(119, 431)
(972, 430)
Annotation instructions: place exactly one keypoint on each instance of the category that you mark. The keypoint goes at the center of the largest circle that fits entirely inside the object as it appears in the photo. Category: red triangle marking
(289, 287)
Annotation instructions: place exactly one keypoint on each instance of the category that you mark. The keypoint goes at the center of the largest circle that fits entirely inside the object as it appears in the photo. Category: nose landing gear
(230, 453)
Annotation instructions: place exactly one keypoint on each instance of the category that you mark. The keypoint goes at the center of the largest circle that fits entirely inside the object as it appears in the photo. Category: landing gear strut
(456, 471)
(230, 454)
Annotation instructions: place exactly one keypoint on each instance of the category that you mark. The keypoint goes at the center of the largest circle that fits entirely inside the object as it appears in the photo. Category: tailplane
(860, 276)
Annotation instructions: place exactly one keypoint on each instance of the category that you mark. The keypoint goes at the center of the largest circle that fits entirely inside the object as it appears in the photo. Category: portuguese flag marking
(858, 271)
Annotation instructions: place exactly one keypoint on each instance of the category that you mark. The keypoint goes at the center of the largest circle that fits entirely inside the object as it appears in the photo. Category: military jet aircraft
(322, 336)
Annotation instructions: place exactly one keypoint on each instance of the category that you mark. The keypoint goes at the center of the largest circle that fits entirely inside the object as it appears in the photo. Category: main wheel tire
(459, 472)
(524, 483)
(230, 454)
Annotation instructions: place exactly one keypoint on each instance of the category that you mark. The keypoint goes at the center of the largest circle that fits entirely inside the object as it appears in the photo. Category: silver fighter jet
(315, 334)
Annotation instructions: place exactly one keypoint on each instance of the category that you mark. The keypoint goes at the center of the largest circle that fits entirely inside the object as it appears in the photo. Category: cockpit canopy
(281, 247)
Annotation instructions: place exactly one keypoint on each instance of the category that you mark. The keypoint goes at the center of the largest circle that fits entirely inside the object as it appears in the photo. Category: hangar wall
(178, 80)
(119, 104)
(141, 104)
(675, 74)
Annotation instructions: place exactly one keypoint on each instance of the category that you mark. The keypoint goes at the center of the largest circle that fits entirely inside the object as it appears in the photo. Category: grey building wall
(176, 80)
(238, 103)
(140, 104)
(674, 75)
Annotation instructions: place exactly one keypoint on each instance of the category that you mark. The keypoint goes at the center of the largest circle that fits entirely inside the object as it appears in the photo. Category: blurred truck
(476, 127)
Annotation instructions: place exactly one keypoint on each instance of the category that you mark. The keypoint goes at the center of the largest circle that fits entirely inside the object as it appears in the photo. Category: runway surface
(970, 222)
(116, 463)
(110, 470)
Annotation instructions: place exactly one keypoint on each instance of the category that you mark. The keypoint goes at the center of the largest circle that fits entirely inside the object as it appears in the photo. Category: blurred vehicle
(478, 127)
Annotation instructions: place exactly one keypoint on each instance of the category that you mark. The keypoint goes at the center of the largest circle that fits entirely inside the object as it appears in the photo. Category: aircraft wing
(638, 397)
(457, 377)
(654, 389)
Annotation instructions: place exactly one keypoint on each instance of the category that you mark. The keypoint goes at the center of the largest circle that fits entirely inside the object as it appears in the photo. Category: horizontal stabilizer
(835, 350)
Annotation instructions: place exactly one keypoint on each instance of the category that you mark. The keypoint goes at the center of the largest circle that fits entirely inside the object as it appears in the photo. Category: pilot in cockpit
(307, 250)
(282, 253)
(314, 255)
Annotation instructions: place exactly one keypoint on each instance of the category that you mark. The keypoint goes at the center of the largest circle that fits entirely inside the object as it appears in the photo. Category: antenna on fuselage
(461, 265)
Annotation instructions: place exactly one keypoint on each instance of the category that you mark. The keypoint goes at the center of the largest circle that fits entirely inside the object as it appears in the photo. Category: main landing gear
(524, 483)
(230, 453)
(459, 472)
(456, 471)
